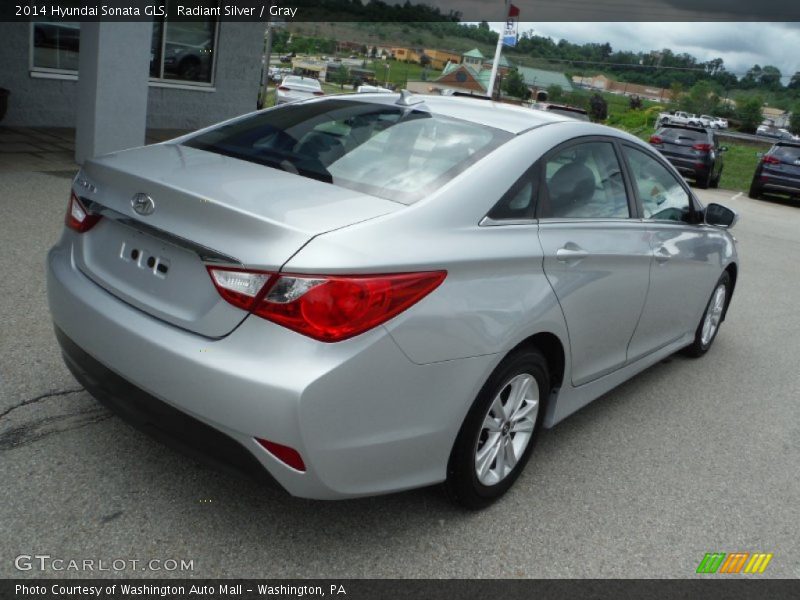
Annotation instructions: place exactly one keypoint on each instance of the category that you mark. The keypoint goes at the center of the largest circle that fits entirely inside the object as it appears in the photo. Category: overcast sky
(740, 45)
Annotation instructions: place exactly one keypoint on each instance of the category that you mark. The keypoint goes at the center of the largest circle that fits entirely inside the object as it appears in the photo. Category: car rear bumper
(364, 418)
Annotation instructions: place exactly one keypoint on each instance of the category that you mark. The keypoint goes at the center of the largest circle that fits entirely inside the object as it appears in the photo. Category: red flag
(513, 11)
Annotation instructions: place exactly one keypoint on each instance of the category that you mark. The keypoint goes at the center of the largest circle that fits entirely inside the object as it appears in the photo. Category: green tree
(598, 108)
(749, 114)
(635, 102)
(676, 91)
(555, 92)
(794, 122)
(514, 85)
(341, 76)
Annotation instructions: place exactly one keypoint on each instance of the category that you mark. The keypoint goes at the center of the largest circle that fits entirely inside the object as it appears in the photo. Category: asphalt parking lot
(687, 458)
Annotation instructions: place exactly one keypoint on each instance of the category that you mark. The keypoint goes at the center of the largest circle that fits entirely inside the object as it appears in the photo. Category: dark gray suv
(694, 151)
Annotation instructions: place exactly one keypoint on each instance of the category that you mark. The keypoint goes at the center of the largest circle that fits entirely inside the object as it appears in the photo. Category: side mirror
(720, 216)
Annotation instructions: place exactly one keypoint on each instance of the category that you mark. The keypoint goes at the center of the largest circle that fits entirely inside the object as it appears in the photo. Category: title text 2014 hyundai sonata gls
(369, 293)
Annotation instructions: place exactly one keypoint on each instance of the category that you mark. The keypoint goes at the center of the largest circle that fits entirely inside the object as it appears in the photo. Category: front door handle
(570, 252)
(662, 255)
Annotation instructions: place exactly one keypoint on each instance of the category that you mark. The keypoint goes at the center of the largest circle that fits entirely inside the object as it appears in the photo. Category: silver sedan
(364, 294)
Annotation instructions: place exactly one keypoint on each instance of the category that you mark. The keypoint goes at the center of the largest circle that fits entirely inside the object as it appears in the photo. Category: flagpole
(497, 52)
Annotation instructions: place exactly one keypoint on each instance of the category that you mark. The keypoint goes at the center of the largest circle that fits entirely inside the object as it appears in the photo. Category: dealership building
(113, 80)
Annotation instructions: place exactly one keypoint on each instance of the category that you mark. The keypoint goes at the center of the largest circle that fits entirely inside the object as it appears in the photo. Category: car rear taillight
(78, 218)
(702, 147)
(656, 139)
(770, 160)
(328, 308)
(319, 93)
(285, 454)
(283, 88)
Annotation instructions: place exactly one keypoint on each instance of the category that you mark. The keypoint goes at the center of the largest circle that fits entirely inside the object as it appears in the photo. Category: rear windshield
(390, 151)
(787, 154)
(673, 133)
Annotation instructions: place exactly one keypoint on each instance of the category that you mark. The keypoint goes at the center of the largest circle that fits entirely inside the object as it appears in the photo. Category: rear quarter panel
(495, 294)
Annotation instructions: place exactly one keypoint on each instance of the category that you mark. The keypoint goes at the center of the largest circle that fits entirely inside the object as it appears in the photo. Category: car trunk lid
(207, 209)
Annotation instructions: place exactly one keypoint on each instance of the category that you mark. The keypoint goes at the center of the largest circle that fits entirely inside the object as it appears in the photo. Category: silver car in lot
(295, 87)
(370, 293)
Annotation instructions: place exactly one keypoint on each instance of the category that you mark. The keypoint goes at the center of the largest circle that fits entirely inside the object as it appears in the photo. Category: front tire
(500, 431)
(715, 181)
(708, 328)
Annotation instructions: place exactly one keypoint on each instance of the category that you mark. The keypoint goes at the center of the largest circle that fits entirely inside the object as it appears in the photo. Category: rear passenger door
(596, 256)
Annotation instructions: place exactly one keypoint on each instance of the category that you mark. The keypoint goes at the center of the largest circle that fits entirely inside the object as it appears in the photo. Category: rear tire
(755, 191)
(707, 330)
(703, 181)
(500, 431)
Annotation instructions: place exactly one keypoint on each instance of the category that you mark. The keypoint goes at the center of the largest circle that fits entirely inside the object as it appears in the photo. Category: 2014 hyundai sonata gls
(363, 294)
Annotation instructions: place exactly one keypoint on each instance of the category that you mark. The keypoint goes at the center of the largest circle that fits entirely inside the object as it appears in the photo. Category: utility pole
(264, 87)
(498, 50)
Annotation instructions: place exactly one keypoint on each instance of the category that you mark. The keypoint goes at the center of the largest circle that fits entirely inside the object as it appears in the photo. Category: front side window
(663, 197)
(384, 150)
(584, 181)
(56, 45)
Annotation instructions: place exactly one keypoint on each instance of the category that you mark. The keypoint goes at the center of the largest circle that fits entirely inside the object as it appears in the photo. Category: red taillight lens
(326, 308)
(702, 147)
(285, 454)
(331, 309)
(283, 88)
(78, 218)
(770, 160)
(656, 139)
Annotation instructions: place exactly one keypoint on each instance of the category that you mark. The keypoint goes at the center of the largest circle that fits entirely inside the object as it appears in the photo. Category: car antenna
(408, 99)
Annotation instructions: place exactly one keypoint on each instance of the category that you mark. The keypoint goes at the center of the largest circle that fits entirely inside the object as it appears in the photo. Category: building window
(184, 50)
(180, 51)
(55, 46)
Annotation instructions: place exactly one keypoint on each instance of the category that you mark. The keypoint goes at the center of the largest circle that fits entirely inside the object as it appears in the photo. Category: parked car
(372, 89)
(776, 132)
(679, 118)
(778, 171)
(694, 151)
(295, 87)
(713, 122)
(346, 293)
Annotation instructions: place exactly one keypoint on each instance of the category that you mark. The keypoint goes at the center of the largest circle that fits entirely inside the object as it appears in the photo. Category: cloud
(740, 45)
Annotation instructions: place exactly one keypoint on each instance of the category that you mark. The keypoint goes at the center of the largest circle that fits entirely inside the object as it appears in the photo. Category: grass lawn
(740, 164)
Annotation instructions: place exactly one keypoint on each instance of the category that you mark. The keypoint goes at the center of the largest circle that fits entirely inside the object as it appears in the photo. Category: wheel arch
(551, 346)
(733, 271)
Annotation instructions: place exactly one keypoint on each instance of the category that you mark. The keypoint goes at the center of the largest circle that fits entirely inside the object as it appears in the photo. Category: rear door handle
(570, 252)
(662, 255)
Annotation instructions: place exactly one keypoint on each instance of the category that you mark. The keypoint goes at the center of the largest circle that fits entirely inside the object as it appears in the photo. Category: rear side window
(519, 202)
(393, 152)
